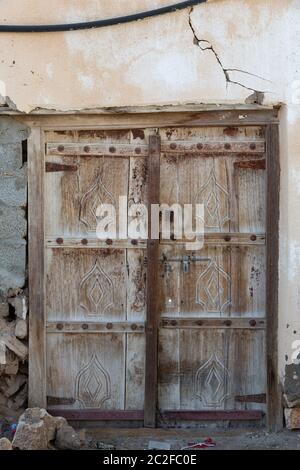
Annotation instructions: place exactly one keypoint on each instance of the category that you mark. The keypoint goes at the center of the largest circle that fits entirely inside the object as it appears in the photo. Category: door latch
(185, 261)
(185, 264)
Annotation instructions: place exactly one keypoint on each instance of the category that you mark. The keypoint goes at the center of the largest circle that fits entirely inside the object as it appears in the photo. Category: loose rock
(36, 430)
(292, 418)
(5, 444)
(67, 438)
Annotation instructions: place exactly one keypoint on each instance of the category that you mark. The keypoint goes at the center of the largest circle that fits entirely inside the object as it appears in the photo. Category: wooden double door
(197, 348)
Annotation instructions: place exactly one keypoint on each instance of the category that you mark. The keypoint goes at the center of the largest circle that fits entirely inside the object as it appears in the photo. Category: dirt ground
(238, 439)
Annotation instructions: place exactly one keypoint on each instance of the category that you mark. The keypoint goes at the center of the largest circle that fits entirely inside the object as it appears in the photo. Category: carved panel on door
(74, 197)
(96, 195)
(96, 290)
(230, 283)
(211, 382)
(95, 280)
(215, 198)
(213, 288)
(92, 386)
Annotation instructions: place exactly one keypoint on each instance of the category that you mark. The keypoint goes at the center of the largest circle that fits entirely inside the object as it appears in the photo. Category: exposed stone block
(4, 309)
(12, 223)
(292, 384)
(12, 131)
(10, 157)
(12, 266)
(20, 305)
(13, 187)
(292, 418)
(21, 329)
(37, 430)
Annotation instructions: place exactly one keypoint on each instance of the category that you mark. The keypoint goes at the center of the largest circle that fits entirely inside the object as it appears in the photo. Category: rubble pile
(13, 357)
(38, 430)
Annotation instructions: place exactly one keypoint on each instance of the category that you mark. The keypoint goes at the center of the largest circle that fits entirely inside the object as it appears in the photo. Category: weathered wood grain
(95, 291)
(152, 286)
(274, 395)
(213, 326)
(37, 348)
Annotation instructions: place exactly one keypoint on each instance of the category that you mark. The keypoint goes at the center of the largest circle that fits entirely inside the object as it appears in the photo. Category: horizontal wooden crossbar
(167, 147)
(209, 239)
(92, 242)
(225, 322)
(93, 327)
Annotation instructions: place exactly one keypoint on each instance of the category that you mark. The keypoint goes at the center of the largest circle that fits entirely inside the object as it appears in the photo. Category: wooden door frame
(274, 392)
(147, 117)
(152, 312)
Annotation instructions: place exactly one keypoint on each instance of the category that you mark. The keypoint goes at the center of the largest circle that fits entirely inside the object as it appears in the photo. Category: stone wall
(13, 291)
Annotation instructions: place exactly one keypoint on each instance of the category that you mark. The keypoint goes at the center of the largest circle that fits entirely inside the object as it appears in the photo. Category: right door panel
(212, 301)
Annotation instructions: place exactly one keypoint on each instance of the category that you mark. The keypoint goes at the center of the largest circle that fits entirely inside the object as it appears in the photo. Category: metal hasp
(185, 261)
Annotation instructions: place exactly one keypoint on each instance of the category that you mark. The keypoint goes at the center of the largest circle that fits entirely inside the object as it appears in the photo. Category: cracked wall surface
(257, 96)
(222, 52)
(241, 49)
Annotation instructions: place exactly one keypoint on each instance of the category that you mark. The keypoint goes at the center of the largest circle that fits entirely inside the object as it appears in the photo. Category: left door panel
(95, 288)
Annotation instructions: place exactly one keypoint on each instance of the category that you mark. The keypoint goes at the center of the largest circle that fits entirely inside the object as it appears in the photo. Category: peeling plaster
(136, 64)
(87, 81)
(173, 71)
(50, 71)
(294, 257)
(295, 180)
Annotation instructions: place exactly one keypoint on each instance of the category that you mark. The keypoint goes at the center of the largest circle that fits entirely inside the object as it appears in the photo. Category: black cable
(98, 23)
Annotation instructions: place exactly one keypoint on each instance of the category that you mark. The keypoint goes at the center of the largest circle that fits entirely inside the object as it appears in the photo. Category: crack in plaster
(209, 47)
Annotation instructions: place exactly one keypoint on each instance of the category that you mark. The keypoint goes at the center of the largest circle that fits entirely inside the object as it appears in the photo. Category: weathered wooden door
(212, 304)
(94, 345)
(95, 289)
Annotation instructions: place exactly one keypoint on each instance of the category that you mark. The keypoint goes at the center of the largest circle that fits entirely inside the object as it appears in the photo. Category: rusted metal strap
(138, 415)
(230, 415)
(258, 398)
(54, 401)
(251, 164)
(98, 415)
(53, 167)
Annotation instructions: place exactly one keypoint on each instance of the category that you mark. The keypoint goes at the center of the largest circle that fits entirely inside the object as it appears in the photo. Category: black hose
(99, 23)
